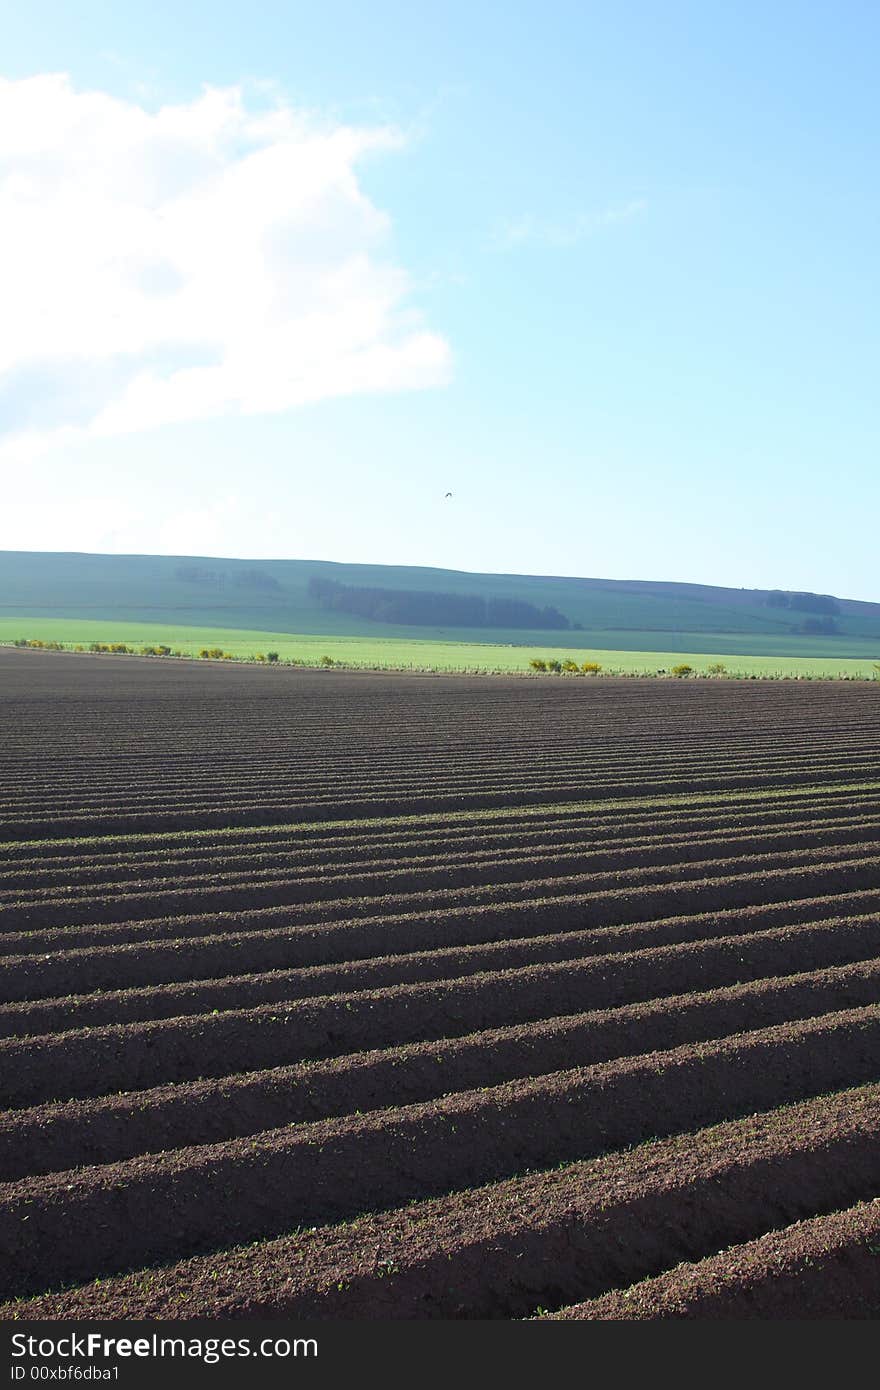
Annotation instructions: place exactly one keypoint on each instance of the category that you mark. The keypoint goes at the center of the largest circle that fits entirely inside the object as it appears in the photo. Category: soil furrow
(824, 1268)
(51, 1138)
(316, 879)
(134, 1056)
(508, 880)
(263, 811)
(74, 1226)
(502, 1250)
(180, 948)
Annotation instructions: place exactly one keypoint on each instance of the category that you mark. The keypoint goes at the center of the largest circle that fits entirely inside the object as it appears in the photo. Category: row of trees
(242, 579)
(427, 608)
(803, 603)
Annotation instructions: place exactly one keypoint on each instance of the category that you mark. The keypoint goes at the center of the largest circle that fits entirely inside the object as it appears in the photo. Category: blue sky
(282, 275)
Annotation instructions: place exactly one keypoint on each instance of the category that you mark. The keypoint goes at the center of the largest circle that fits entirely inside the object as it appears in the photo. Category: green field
(389, 653)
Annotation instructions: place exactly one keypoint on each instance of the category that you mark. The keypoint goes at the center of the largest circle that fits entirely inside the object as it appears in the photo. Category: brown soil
(70, 1226)
(53, 1137)
(243, 991)
(828, 1267)
(439, 1009)
(506, 1249)
(133, 1056)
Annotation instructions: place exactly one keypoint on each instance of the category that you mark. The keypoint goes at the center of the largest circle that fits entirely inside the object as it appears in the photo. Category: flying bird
(448, 494)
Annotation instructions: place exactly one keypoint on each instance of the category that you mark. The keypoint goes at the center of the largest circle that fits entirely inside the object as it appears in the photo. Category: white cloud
(196, 261)
(529, 230)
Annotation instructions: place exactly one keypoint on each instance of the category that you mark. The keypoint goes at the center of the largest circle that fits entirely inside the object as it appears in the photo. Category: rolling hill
(321, 597)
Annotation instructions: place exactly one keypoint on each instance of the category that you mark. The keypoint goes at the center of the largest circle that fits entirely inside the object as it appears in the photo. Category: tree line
(803, 603)
(243, 579)
(427, 608)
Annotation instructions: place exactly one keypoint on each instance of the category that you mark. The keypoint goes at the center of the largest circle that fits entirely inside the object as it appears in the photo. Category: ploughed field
(360, 996)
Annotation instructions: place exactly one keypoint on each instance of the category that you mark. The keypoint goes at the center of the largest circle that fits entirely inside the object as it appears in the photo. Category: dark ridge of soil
(111, 964)
(827, 1267)
(594, 870)
(223, 808)
(509, 883)
(503, 1250)
(817, 808)
(52, 1138)
(34, 881)
(72, 1226)
(154, 1002)
(374, 768)
(133, 1056)
(227, 815)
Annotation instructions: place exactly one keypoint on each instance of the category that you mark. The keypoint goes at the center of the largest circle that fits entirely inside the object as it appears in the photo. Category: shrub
(591, 668)
(569, 665)
(554, 665)
(327, 661)
(271, 656)
(718, 668)
(537, 664)
(682, 670)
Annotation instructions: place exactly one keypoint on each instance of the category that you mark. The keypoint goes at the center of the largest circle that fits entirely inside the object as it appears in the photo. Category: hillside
(320, 597)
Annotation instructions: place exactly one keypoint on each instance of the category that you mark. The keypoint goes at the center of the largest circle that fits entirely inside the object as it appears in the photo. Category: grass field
(399, 653)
